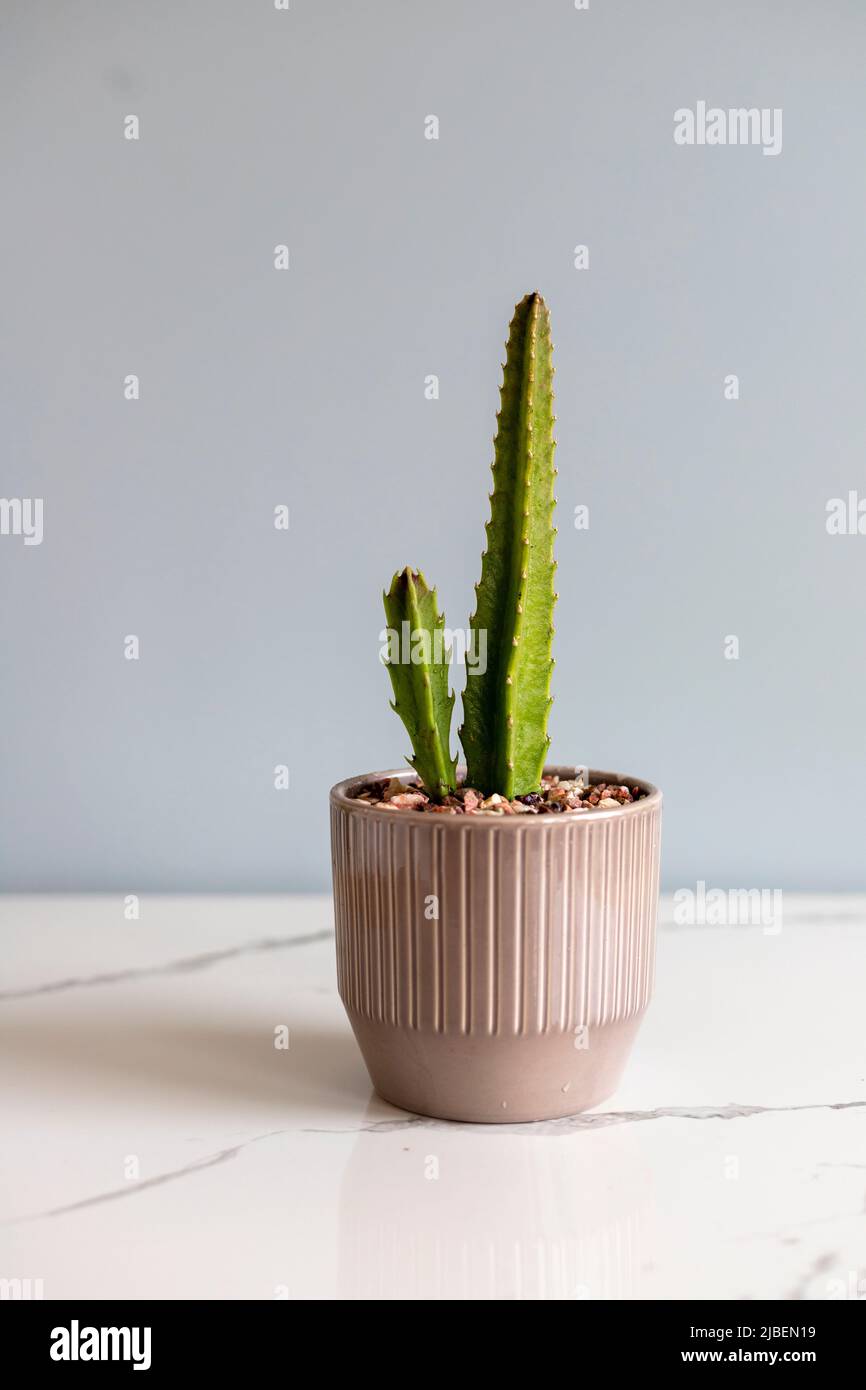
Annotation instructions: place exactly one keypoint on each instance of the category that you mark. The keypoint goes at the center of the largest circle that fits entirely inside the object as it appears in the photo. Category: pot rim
(341, 796)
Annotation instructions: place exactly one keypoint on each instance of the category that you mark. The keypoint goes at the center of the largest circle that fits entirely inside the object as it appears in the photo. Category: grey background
(306, 387)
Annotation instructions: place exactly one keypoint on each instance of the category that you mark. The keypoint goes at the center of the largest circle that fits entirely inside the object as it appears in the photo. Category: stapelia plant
(505, 709)
(419, 675)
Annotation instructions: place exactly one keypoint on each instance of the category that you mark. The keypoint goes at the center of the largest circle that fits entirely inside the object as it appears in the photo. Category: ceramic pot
(495, 969)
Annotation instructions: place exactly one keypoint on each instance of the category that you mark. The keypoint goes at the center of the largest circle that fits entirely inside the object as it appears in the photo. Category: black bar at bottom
(157, 1339)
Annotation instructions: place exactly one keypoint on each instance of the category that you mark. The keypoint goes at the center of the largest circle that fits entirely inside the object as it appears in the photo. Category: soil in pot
(556, 796)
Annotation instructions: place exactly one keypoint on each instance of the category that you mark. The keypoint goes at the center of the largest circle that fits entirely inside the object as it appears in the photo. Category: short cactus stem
(418, 667)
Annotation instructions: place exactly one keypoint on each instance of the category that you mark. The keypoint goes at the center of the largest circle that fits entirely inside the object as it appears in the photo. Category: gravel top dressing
(557, 795)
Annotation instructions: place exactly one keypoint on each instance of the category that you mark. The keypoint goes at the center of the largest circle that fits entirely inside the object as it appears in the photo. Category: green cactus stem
(505, 710)
(417, 662)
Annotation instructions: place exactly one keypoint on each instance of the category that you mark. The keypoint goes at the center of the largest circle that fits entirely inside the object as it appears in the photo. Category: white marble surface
(155, 1143)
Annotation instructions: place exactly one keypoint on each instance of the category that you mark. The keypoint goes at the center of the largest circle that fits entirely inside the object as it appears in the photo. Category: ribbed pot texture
(495, 968)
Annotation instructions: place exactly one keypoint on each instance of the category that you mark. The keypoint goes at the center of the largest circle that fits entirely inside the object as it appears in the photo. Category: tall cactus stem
(506, 708)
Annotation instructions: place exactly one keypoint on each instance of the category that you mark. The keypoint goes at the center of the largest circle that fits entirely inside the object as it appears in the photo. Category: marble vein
(158, 1180)
(572, 1124)
(186, 965)
(820, 1265)
(546, 1128)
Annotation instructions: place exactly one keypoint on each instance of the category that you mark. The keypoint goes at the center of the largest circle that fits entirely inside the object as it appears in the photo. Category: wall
(305, 387)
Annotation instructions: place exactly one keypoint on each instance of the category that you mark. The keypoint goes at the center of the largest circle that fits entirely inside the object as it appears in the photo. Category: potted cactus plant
(495, 930)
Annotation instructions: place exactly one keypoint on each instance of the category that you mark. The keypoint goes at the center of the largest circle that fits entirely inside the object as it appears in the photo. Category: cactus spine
(418, 666)
(506, 709)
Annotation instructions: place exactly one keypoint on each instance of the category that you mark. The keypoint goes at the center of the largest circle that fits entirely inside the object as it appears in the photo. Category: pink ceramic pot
(495, 968)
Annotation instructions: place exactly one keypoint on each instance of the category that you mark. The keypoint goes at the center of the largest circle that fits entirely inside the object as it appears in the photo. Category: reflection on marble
(157, 1143)
(533, 1220)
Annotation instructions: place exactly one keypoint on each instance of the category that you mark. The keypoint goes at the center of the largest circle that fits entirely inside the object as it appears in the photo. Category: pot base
(495, 1080)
